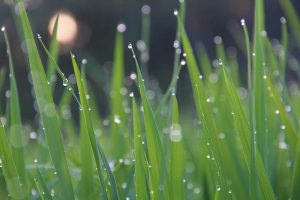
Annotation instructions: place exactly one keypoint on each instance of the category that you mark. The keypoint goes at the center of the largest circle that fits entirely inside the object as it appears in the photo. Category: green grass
(239, 139)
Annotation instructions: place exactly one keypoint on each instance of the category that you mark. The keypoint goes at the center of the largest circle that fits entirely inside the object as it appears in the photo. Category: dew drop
(175, 133)
(283, 20)
(175, 12)
(84, 61)
(129, 46)
(243, 22)
(3, 28)
(117, 119)
(121, 28)
(218, 39)
(146, 9)
(182, 62)
(176, 44)
(133, 76)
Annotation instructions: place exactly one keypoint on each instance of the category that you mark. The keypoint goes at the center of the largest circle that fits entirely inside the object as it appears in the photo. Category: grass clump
(242, 145)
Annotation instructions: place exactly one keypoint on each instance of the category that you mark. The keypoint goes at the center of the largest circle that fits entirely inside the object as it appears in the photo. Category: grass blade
(204, 114)
(116, 99)
(140, 159)
(177, 156)
(154, 147)
(17, 137)
(258, 74)
(292, 18)
(89, 129)
(54, 48)
(87, 165)
(13, 182)
(46, 106)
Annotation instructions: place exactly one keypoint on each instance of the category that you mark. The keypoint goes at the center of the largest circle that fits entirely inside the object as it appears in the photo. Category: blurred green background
(96, 26)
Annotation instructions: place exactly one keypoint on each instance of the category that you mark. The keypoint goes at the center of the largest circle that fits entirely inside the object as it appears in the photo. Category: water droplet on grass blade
(3, 28)
(117, 119)
(283, 20)
(243, 22)
(121, 28)
(196, 190)
(146, 9)
(175, 12)
(175, 133)
(176, 44)
(133, 76)
(182, 62)
(129, 46)
(218, 39)
(84, 61)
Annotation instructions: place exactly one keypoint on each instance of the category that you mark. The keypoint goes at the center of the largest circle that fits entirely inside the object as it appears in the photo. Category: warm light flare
(67, 28)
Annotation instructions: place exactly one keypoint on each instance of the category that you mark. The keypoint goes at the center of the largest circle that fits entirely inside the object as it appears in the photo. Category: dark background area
(205, 19)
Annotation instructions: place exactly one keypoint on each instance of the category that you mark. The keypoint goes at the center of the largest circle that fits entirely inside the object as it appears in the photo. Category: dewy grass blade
(145, 38)
(116, 98)
(292, 18)
(244, 130)
(284, 49)
(66, 82)
(253, 172)
(204, 114)
(87, 165)
(295, 192)
(2, 81)
(42, 186)
(46, 106)
(141, 175)
(258, 74)
(154, 147)
(177, 156)
(176, 63)
(89, 128)
(17, 137)
(54, 49)
(287, 124)
(13, 182)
